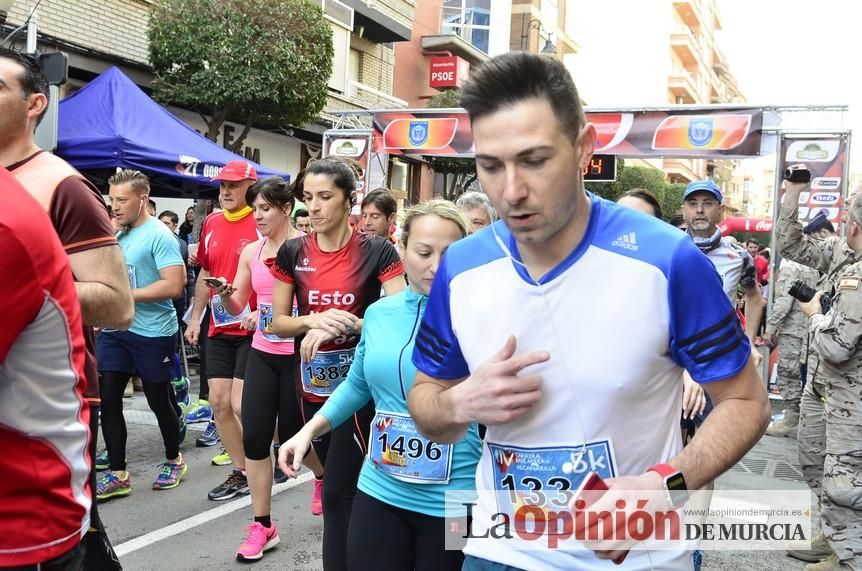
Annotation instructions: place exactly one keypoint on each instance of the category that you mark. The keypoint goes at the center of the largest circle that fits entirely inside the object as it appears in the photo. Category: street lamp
(536, 24)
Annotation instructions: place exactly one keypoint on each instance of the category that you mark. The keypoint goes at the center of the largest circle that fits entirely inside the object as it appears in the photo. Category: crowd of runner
(512, 341)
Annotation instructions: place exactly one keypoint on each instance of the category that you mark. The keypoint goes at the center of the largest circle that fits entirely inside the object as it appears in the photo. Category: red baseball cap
(235, 171)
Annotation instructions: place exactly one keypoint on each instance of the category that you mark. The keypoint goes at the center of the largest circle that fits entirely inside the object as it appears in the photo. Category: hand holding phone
(214, 283)
(591, 489)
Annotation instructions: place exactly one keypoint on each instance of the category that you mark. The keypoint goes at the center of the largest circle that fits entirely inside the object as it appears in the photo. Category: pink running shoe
(317, 497)
(259, 539)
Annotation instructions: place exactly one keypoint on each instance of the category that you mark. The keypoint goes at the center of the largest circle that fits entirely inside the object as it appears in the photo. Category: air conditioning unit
(399, 176)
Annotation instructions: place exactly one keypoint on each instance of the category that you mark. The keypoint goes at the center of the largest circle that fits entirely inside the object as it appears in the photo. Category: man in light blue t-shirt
(157, 275)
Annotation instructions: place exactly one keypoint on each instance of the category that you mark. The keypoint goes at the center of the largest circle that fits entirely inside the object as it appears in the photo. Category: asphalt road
(182, 529)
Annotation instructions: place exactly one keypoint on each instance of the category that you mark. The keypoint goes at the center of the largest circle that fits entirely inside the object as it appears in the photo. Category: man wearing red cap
(223, 236)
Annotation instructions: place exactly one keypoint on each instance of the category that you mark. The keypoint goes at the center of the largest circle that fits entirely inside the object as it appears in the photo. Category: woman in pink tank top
(269, 392)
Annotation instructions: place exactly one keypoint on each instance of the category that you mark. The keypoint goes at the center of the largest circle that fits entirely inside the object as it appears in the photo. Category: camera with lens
(797, 173)
(804, 293)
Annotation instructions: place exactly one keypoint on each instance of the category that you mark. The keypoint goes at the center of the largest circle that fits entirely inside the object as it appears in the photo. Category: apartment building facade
(651, 54)
(97, 34)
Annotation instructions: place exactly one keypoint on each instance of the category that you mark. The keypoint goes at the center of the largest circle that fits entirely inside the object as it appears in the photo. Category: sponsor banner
(692, 132)
(355, 144)
(740, 224)
(825, 156)
(423, 133)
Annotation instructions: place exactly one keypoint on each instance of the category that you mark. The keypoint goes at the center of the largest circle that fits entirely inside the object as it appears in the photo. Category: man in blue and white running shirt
(588, 322)
(701, 209)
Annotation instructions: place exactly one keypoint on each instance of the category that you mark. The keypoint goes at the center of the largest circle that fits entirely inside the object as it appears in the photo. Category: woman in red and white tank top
(270, 381)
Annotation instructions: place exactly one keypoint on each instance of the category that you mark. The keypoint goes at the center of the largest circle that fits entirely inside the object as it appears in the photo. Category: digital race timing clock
(602, 168)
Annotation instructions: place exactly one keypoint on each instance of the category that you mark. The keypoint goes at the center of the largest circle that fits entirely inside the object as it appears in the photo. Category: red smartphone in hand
(592, 482)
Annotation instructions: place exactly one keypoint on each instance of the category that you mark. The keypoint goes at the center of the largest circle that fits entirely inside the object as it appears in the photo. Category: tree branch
(237, 144)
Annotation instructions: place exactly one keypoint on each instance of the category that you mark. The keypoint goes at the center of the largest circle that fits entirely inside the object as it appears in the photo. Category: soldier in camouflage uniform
(831, 257)
(788, 329)
(837, 338)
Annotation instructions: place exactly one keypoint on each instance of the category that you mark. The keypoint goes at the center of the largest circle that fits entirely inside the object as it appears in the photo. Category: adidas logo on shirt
(629, 241)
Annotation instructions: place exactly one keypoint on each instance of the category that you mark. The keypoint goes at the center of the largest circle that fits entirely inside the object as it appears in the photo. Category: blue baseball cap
(818, 223)
(702, 185)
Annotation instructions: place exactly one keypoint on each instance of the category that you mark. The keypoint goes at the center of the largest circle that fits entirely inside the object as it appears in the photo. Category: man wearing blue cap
(820, 227)
(702, 212)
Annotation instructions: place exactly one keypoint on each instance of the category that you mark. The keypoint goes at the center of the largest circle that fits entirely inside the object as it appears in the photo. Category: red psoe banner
(826, 157)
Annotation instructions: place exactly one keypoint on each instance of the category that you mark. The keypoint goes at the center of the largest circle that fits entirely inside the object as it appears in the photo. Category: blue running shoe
(199, 411)
(209, 437)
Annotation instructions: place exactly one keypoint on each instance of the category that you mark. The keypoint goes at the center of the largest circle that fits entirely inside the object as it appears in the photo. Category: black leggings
(160, 397)
(413, 540)
(98, 552)
(342, 455)
(269, 392)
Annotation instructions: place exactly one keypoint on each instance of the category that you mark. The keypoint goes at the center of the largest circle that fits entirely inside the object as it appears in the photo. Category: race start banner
(826, 158)
(689, 132)
(353, 144)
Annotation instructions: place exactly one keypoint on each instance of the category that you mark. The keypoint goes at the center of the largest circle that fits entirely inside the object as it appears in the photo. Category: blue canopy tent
(112, 123)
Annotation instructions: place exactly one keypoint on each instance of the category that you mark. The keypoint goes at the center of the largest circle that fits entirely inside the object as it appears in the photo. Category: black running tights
(342, 457)
(269, 392)
(160, 397)
(385, 538)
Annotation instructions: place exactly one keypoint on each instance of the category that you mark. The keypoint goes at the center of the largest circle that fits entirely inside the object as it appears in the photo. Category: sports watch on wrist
(673, 483)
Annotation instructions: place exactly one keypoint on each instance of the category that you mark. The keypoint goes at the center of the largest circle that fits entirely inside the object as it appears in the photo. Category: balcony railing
(682, 83)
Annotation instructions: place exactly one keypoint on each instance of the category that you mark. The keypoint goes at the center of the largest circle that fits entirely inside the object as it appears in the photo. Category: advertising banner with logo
(740, 224)
(826, 158)
(690, 132)
(353, 144)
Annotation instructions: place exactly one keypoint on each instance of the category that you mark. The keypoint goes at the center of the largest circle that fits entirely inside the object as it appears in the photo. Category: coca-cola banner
(739, 224)
(354, 144)
(689, 132)
(826, 157)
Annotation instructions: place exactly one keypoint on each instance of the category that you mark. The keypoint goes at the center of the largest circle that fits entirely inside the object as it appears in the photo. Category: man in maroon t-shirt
(224, 234)
(77, 212)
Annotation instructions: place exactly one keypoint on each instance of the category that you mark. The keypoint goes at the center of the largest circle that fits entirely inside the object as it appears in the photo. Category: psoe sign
(448, 71)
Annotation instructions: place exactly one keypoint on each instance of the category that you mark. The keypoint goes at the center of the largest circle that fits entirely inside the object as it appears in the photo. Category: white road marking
(181, 526)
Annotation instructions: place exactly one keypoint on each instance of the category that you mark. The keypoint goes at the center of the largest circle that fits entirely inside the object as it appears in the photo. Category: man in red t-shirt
(223, 236)
(80, 218)
(45, 498)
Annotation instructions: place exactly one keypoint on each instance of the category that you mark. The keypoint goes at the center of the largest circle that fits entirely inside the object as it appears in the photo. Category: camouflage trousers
(841, 498)
(811, 435)
(788, 369)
